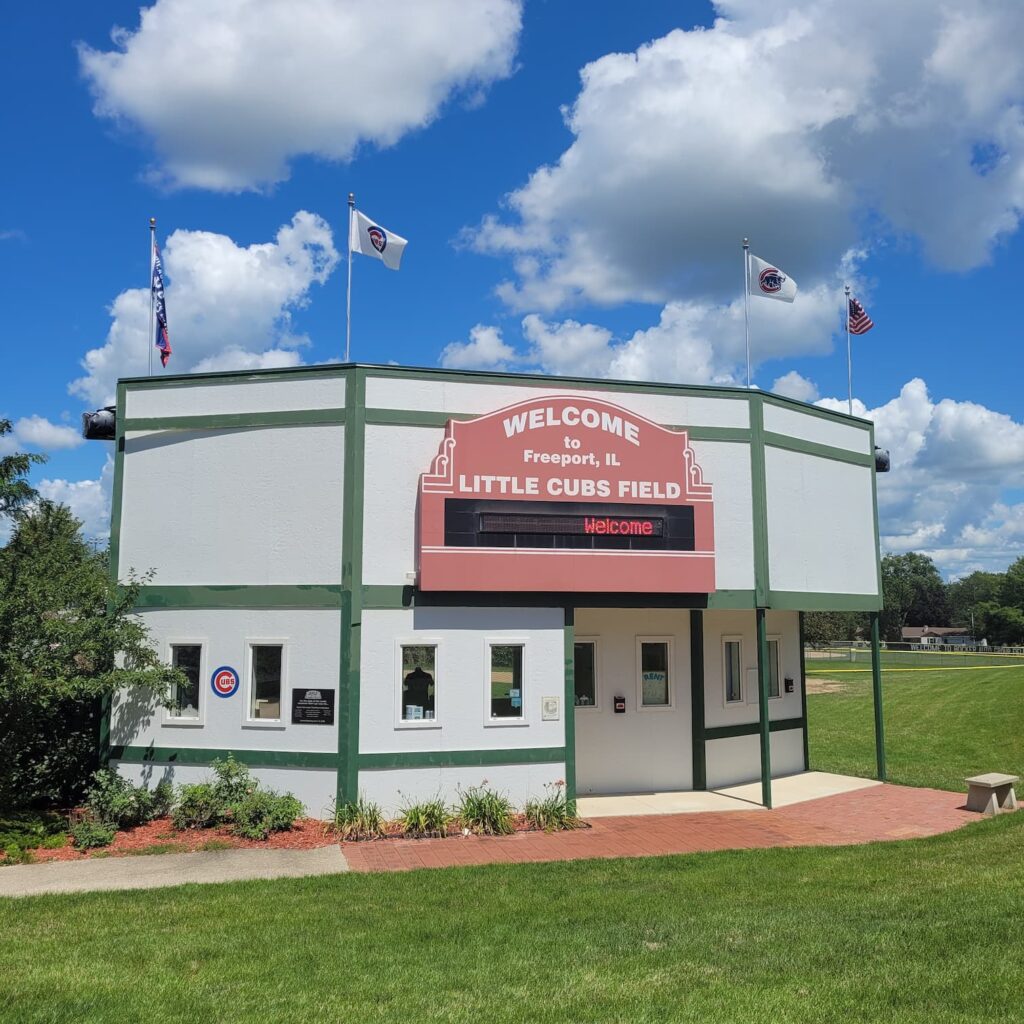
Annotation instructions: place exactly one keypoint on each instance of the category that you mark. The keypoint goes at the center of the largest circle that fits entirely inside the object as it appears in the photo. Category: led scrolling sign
(565, 494)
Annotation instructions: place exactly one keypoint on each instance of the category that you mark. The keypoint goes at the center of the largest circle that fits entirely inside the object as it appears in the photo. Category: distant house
(937, 635)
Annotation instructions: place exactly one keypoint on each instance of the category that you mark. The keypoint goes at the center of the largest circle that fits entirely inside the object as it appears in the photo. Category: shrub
(20, 833)
(90, 834)
(197, 807)
(163, 799)
(232, 782)
(430, 818)
(263, 811)
(552, 813)
(359, 819)
(113, 800)
(485, 812)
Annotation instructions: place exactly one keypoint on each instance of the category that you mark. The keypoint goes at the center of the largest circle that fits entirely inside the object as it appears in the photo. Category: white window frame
(596, 706)
(671, 665)
(725, 687)
(505, 723)
(418, 641)
(266, 723)
(200, 720)
(753, 694)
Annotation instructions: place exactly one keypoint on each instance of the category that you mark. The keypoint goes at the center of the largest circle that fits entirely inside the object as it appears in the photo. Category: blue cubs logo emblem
(378, 239)
(771, 280)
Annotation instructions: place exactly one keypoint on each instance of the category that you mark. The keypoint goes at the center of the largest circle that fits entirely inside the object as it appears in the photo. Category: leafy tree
(913, 593)
(67, 638)
(965, 595)
(15, 490)
(1011, 591)
(999, 625)
(822, 628)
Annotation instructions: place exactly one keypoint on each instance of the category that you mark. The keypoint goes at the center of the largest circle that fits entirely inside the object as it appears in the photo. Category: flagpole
(348, 298)
(151, 344)
(746, 301)
(849, 355)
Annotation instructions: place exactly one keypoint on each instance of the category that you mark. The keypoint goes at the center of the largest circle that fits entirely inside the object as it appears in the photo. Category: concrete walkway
(152, 872)
(786, 791)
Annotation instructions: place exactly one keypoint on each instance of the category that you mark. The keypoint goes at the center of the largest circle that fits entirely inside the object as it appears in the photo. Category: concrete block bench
(991, 793)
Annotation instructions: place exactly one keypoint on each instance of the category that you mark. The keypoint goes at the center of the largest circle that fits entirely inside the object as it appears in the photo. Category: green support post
(697, 724)
(569, 640)
(876, 684)
(762, 703)
(803, 697)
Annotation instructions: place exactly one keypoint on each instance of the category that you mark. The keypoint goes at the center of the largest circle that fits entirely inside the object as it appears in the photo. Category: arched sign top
(565, 493)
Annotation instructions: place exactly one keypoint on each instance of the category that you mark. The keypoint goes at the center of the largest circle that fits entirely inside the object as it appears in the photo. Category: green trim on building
(764, 726)
(237, 420)
(874, 509)
(380, 597)
(351, 584)
(697, 723)
(569, 635)
(798, 600)
(876, 694)
(219, 377)
(300, 595)
(820, 451)
(461, 758)
(816, 411)
(803, 695)
(728, 732)
(414, 417)
(205, 756)
(759, 501)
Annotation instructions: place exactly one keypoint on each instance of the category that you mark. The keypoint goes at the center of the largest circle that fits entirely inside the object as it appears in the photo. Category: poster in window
(655, 683)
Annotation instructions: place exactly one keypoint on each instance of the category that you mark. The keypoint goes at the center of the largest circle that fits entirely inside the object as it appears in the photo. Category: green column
(762, 703)
(876, 686)
(700, 762)
(803, 697)
(570, 706)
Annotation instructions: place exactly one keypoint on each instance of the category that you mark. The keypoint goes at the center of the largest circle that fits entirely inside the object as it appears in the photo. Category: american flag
(860, 322)
(163, 339)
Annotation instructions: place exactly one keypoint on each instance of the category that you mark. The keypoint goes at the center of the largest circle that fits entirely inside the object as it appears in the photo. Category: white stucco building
(397, 582)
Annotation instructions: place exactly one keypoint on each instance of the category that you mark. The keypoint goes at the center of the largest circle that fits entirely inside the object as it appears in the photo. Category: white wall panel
(311, 638)
(483, 396)
(736, 760)
(395, 459)
(726, 467)
(644, 749)
(821, 526)
(315, 787)
(394, 788)
(808, 427)
(462, 677)
(234, 506)
(248, 395)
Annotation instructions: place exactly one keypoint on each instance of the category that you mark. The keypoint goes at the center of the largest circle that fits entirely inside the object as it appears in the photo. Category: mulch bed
(306, 834)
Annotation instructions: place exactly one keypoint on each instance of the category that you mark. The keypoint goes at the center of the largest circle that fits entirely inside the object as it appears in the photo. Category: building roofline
(389, 369)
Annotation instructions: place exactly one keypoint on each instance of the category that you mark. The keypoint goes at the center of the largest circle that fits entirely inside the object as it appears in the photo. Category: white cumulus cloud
(228, 306)
(793, 124)
(39, 432)
(231, 91)
(89, 500)
(484, 350)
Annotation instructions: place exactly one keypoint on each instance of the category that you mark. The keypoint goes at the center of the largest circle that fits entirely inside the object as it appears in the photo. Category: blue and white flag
(769, 282)
(163, 339)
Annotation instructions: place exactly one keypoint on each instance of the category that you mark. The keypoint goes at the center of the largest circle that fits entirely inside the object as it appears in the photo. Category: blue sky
(574, 181)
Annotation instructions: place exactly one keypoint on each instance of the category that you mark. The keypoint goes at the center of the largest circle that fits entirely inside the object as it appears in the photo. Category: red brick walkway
(863, 816)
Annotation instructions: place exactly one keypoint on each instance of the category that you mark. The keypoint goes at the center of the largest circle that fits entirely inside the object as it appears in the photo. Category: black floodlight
(881, 460)
(100, 425)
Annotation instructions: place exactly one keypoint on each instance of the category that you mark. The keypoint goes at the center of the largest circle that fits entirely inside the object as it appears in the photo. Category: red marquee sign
(565, 494)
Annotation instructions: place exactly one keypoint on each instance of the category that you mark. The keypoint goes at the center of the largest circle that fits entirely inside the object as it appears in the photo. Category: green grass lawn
(940, 726)
(927, 931)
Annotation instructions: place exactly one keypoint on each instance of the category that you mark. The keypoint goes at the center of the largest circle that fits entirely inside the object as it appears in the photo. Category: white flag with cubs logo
(769, 282)
(370, 239)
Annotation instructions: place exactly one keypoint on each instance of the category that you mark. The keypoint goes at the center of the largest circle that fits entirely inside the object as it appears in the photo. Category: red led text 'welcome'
(619, 527)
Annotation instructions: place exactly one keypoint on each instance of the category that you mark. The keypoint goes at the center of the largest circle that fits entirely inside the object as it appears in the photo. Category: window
(654, 674)
(506, 681)
(419, 683)
(265, 677)
(585, 673)
(186, 658)
(732, 662)
(774, 682)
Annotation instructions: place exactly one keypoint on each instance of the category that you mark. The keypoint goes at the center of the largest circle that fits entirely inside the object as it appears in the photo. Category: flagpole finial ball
(746, 242)
(351, 199)
(152, 222)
